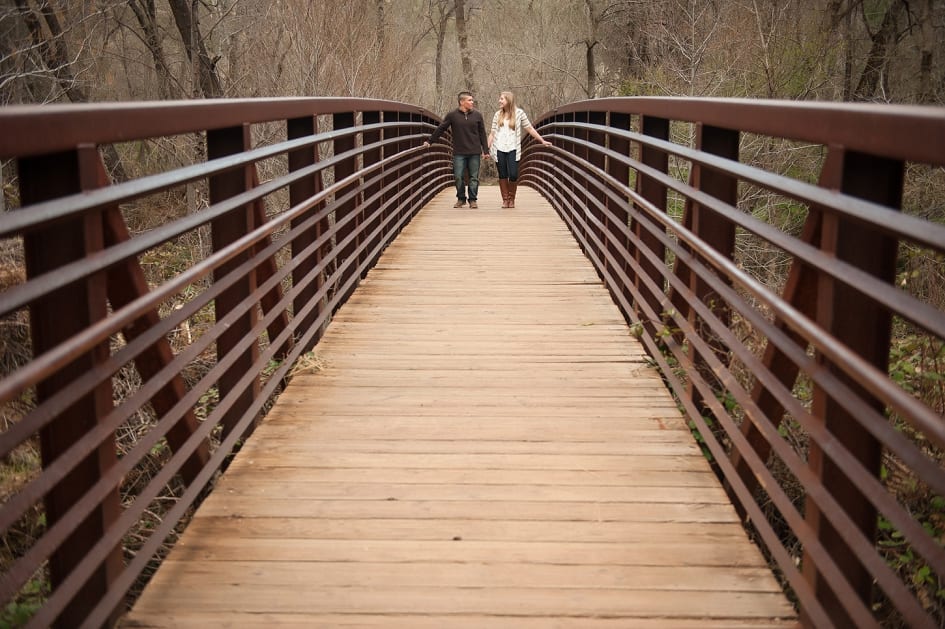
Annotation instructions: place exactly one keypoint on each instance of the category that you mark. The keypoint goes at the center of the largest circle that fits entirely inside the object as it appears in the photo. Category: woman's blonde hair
(508, 111)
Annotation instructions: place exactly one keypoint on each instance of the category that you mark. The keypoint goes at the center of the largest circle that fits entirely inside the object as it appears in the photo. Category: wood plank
(546, 602)
(308, 456)
(279, 506)
(301, 490)
(174, 618)
(496, 574)
(644, 478)
(466, 530)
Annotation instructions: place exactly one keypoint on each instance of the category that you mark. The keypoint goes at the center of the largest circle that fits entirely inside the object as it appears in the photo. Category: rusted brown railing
(788, 382)
(290, 202)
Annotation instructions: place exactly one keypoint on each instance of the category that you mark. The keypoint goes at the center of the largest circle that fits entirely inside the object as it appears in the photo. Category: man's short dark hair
(459, 97)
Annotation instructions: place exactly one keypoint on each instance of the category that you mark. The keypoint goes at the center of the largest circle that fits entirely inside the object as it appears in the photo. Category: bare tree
(439, 13)
(57, 58)
(926, 93)
(591, 42)
(52, 47)
(883, 41)
(186, 17)
(460, 8)
(146, 15)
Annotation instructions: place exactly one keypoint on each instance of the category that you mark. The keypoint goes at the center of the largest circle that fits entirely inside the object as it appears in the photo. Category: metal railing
(178, 303)
(782, 342)
(257, 241)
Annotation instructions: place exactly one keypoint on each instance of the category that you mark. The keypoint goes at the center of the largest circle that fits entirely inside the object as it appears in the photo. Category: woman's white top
(504, 138)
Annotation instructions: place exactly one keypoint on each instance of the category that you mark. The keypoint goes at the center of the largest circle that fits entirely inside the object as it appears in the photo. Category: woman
(505, 144)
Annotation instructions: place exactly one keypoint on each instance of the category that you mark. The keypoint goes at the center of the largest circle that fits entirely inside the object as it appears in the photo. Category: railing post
(226, 230)
(53, 321)
(390, 171)
(654, 192)
(596, 159)
(575, 192)
(345, 168)
(432, 192)
(370, 215)
(299, 191)
(865, 327)
(403, 189)
(621, 248)
(717, 232)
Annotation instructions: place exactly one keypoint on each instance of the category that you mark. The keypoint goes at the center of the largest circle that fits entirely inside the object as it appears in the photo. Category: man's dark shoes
(473, 205)
(459, 204)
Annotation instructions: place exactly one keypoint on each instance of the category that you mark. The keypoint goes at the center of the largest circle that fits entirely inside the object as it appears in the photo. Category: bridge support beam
(307, 273)
(865, 327)
(620, 248)
(719, 233)
(54, 320)
(654, 192)
(346, 221)
(225, 230)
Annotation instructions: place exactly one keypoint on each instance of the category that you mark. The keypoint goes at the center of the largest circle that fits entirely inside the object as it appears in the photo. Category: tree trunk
(195, 46)
(443, 20)
(593, 19)
(848, 56)
(146, 15)
(926, 46)
(381, 28)
(883, 41)
(464, 45)
(591, 90)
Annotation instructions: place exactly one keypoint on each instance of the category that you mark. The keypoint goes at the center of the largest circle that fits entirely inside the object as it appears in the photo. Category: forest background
(549, 52)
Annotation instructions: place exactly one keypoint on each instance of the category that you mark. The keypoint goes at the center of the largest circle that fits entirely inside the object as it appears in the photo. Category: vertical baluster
(226, 230)
(299, 191)
(621, 249)
(716, 231)
(866, 327)
(371, 215)
(390, 170)
(344, 257)
(596, 159)
(55, 319)
(654, 192)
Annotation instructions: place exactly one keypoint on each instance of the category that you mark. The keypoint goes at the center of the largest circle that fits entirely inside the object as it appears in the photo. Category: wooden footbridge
(484, 443)
(556, 415)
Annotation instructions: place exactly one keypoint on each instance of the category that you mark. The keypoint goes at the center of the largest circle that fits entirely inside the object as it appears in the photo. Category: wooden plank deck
(484, 446)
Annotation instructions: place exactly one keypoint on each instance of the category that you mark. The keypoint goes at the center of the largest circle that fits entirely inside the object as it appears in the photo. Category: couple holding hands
(470, 144)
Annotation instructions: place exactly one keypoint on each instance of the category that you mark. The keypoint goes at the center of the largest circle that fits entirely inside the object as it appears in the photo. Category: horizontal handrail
(650, 189)
(30, 130)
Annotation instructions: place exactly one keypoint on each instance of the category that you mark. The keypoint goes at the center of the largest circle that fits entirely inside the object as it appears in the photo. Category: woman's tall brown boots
(513, 185)
(504, 190)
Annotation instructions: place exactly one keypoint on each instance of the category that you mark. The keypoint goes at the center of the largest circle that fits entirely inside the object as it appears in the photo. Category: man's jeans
(460, 163)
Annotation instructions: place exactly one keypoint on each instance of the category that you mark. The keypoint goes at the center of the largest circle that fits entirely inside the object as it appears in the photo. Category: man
(469, 146)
